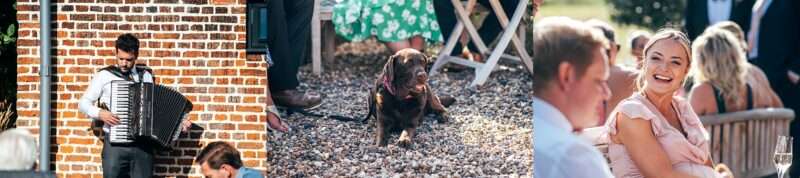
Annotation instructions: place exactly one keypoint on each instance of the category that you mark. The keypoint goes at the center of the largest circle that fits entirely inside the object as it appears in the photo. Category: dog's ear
(388, 69)
(427, 59)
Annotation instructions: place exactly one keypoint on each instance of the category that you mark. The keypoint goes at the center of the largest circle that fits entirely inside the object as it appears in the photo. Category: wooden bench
(745, 140)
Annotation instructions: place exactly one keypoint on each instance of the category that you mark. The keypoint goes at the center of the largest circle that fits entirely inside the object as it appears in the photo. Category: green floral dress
(388, 20)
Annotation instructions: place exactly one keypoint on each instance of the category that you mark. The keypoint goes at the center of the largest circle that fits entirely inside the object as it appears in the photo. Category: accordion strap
(140, 68)
(114, 70)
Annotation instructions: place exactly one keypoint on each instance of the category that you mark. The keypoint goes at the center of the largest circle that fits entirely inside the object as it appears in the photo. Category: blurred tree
(8, 63)
(8, 50)
(650, 14)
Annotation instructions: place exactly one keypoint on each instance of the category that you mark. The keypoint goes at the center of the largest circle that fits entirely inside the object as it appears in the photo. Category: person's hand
(108, 118)
(723, 170)
(185, 125)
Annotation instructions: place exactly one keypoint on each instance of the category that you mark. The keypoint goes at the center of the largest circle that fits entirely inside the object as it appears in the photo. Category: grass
(8, 116)
(597, 9)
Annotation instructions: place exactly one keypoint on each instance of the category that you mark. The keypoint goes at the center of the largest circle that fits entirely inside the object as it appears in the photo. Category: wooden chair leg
(316, 63)
(328, 41)
(462, 14)
(482, 74)
(519, 45)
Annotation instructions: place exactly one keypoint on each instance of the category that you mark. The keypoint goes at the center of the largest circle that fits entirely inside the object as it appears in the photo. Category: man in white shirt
(570, 84)
(131, 160)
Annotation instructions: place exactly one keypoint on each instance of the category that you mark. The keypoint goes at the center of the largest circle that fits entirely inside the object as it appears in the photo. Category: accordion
(147, 112)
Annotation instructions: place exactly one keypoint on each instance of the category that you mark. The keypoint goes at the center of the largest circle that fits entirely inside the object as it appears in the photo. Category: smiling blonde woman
(654, 133)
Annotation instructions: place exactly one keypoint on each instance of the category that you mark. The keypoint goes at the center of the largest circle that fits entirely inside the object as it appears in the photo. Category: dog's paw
(404, 142)
(443, 118)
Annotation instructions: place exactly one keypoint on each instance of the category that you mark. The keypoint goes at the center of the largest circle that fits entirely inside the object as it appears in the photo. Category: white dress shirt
(100, 88)
(719, 10)
(560, 153)
(759, 9)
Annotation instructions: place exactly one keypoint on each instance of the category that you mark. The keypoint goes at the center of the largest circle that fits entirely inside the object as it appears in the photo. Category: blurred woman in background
(724, 80)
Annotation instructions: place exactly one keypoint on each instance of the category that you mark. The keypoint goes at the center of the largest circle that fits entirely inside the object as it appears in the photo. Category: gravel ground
(489, 134)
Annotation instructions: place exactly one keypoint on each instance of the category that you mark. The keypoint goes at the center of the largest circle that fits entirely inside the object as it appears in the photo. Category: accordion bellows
(147, 112)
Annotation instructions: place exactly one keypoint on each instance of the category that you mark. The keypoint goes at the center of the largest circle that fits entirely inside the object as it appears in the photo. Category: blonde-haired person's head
(661, 36)
(732, 27)
(562, 39)
(720, 62)
(17, 150)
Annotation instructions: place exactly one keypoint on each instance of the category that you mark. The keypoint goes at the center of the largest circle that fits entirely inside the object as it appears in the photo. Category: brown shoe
(295, 99)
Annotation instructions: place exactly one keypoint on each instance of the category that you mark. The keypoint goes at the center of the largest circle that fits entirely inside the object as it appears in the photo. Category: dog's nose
(422, 77)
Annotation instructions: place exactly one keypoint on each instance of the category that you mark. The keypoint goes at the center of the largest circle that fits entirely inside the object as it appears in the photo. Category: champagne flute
(783, 154)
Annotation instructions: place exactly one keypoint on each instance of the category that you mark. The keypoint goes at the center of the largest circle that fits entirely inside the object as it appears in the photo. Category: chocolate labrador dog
(401, 97)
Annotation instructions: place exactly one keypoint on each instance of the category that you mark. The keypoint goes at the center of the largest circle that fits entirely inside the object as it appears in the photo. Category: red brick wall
(196, 46)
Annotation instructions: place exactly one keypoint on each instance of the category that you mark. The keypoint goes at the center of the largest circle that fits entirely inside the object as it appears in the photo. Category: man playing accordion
(120, 160)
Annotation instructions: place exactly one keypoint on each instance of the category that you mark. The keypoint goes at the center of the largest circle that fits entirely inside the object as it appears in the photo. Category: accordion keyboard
(121, 106)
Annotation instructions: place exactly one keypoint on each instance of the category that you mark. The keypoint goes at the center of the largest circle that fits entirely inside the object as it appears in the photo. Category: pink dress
(687, 154)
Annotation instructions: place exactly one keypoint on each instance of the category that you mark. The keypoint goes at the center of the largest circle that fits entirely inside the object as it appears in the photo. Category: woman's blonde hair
(663, 34)
(720, 61)
(733, 28)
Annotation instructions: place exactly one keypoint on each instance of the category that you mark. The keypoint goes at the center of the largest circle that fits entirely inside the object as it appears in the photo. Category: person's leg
(279, 43)
(291, 22)
(113, 161)
(296, 23)
(418, 43)
(491, 26)
(298, 18)
(273, 120)
(141, 162)
(396, 46)
(446, 17)
(791, 99)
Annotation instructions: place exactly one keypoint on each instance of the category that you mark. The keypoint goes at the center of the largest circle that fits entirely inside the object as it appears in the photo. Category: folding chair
(483, 70)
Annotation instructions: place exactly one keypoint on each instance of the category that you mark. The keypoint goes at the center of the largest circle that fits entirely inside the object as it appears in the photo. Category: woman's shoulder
(701, 97)
(633, 110)
(635, 107)
(763, 95)
(756, 77)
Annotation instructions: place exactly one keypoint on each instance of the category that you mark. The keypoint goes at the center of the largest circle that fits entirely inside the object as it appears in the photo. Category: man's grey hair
(18, 150)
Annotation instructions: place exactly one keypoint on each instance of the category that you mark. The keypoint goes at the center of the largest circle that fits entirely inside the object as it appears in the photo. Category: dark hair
(606, 28)
(128, 43)
(218, 153)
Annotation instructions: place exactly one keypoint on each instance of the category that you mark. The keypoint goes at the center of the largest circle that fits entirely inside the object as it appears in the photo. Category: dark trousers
(790, 96)
(127, 161)
(445, 15)
(289, 27)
